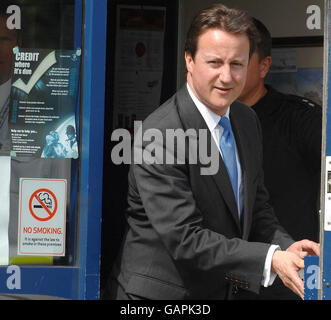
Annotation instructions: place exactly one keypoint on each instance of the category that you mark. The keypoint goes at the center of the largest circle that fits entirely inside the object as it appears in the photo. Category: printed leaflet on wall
(44, 94)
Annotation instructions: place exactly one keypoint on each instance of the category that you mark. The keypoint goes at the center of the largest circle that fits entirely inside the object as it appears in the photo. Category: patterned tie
(227, 145)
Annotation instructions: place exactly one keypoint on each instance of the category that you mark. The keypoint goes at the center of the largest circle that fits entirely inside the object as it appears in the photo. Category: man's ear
(265, 66)
(189, 62)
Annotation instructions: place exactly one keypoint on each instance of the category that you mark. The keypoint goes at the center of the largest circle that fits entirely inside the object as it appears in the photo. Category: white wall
(283, 18)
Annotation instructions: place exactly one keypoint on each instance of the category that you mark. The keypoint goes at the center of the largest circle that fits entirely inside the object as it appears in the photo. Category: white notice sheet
(4, 209)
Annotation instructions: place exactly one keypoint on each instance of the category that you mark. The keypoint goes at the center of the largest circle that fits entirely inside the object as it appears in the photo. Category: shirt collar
(211, 118)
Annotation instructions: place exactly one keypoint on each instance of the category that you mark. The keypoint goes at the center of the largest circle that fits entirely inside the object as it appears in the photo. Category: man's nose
(225, 75)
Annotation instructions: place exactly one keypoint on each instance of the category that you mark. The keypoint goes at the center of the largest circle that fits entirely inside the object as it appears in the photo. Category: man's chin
(219, 108)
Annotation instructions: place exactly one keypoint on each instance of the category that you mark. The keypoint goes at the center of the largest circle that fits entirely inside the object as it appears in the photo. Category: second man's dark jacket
(291, 130)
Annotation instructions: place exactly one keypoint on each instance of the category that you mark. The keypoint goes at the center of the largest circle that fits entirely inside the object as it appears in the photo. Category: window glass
(39, 131)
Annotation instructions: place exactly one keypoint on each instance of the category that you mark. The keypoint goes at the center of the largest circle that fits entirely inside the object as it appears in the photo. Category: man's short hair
(264, 44)
(232, 20)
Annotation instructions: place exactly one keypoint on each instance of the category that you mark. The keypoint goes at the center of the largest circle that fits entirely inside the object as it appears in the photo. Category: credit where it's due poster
(44, 94)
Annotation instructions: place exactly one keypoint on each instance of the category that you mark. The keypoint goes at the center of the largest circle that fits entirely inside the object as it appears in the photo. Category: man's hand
(305, 248)
(287, 263)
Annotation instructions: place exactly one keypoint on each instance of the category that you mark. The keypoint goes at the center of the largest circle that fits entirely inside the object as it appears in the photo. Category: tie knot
(225, 123)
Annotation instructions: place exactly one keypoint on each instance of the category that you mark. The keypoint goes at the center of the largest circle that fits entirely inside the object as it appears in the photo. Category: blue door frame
(318, 270)
(80, 281)
(94, 70)
(325, 258)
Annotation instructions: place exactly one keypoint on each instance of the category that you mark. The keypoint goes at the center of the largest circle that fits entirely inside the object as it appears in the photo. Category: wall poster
(138, 63)
(44, 95)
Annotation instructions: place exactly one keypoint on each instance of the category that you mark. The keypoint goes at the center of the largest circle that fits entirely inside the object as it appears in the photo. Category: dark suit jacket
(184, 238)
(292, 135)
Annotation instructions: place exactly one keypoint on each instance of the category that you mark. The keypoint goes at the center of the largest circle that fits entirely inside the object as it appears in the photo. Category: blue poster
(44, 95)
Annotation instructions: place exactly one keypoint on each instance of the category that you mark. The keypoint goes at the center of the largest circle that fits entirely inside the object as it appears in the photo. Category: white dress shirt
(212, 119)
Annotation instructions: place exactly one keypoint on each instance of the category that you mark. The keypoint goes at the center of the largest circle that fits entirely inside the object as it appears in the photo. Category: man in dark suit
(292, 134)
(193, 235)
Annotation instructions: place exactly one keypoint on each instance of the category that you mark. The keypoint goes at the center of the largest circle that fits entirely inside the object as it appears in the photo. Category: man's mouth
(223, 90)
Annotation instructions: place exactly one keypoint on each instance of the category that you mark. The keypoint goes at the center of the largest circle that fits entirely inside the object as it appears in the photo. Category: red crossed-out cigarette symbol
(43, 204)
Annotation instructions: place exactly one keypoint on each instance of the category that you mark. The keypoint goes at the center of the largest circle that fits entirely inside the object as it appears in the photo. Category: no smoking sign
(42, 217)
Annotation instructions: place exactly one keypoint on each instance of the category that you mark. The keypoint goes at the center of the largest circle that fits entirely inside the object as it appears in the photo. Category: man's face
(8, 40)
(217, 73)
(256, 72)
(253, 75)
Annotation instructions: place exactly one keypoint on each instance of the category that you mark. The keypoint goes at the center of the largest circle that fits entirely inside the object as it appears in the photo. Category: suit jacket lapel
(192, 118)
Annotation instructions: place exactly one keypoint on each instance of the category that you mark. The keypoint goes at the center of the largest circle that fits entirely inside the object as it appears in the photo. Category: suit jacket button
(234, 289)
